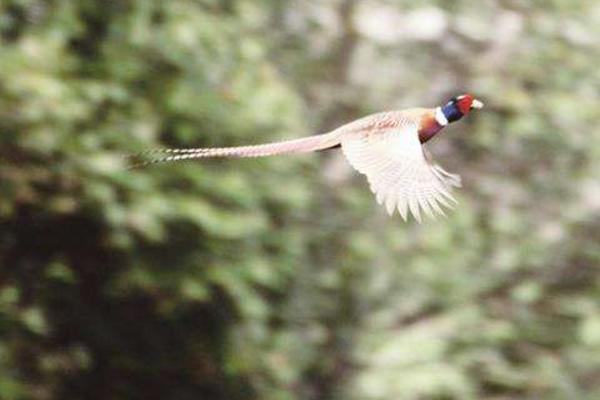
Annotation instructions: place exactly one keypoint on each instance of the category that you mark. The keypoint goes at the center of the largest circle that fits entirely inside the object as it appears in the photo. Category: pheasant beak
(478, 105)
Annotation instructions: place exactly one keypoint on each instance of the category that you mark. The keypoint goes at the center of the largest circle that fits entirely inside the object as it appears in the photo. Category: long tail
(303, 145)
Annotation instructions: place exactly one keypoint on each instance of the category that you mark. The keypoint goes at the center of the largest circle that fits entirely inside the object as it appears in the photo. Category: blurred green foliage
(281, 278)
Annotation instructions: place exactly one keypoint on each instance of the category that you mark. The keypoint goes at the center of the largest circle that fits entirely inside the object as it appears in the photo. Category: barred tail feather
(303, 145)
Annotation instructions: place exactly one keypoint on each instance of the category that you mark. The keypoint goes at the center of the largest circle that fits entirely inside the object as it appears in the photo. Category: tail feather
(302, 145)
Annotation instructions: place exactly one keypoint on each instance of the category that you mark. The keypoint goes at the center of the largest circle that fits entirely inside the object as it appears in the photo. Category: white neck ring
(440, 117)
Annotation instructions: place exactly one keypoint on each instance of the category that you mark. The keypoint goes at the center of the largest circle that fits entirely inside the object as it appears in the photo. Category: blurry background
(282, 278)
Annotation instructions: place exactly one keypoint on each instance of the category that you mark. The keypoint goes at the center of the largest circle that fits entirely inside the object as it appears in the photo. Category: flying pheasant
(386, 147)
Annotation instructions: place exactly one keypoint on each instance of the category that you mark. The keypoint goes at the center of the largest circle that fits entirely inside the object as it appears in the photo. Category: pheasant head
(457, 108)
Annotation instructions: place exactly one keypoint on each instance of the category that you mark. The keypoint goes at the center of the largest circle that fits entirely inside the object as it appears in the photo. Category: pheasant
(386, 147)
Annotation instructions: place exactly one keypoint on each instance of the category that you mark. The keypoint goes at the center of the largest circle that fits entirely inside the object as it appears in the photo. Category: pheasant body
(386, 147)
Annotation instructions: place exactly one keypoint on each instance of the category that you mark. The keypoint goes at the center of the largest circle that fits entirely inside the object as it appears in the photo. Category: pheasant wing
(399, 173)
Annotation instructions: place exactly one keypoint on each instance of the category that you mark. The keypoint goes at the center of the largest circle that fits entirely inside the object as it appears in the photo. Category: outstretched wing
(399, 173)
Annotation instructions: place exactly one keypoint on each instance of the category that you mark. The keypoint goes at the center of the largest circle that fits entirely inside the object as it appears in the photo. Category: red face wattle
(464, 103)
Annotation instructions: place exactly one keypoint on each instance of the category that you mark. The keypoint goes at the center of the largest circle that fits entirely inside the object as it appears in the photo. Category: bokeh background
(282, 278)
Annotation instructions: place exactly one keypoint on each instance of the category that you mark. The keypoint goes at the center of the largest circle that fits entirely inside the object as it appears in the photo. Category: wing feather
(401, 175)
